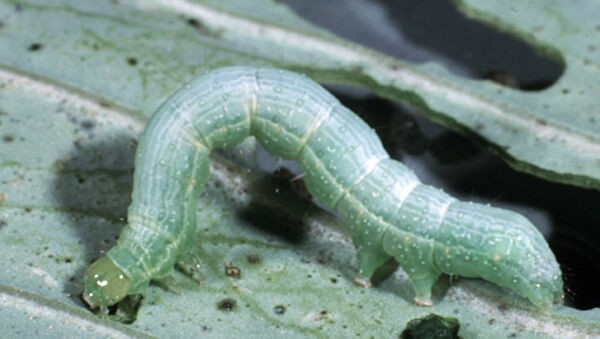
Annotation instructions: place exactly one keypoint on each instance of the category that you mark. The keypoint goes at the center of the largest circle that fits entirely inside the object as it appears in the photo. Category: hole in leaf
(433, 30)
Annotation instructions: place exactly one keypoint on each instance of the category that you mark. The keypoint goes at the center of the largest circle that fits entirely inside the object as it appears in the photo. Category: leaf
(78, 81)
(558, 128)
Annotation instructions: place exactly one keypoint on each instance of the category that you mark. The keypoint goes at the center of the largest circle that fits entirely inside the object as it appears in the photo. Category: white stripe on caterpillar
(388, 211)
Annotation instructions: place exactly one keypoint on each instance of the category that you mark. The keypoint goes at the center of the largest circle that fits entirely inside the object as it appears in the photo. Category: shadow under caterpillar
(389, 212)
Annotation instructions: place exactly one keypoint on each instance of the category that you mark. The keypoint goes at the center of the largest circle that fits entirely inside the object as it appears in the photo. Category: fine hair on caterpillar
(389, 212)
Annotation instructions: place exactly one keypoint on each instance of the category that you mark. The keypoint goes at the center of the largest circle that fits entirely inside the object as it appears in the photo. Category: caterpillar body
(389, 212)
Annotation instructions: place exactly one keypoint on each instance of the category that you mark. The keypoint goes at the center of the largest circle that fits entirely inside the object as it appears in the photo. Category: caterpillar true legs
(388, 211)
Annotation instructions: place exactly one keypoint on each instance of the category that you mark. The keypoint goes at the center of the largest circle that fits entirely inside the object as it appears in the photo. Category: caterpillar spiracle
(388, 211)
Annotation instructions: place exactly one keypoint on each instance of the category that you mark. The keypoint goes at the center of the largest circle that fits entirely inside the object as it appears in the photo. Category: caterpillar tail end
(104, 284)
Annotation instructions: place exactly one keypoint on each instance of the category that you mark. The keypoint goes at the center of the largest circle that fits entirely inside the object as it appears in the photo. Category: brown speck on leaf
(253, 258)
(232, 271)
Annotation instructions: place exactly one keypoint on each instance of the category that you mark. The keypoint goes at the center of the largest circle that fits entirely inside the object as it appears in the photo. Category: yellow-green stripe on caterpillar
(388, 211)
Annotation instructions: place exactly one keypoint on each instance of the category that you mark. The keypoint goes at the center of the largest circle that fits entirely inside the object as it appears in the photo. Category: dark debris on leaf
(431, 326)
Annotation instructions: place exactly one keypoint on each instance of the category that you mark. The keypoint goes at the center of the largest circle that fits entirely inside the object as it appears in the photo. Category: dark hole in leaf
(475, 46)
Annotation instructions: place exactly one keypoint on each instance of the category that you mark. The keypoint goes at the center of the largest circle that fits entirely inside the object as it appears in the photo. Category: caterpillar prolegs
(388, 211)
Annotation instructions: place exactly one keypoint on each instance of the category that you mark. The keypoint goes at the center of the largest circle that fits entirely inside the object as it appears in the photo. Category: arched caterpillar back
(388, 211)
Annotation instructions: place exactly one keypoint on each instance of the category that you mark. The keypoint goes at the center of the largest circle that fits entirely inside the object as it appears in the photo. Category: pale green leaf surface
(70, 114)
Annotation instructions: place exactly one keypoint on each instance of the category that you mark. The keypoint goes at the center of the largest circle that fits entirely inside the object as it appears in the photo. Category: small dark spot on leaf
(2, 224)
(28, 209)
(565, 91)
(194, 23)
(18, 7)
(334, 280)
(87, 124)
(541, 122)
(8, 138)
(132, 61)
(226, 305)
(253, 258)
(279, 309)
(104, 104)
(36, 46)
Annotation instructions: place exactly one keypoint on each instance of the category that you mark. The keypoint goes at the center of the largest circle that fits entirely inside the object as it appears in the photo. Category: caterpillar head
(104, 284)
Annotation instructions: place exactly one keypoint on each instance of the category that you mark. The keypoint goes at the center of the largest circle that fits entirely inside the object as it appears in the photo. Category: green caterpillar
(388, 211)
